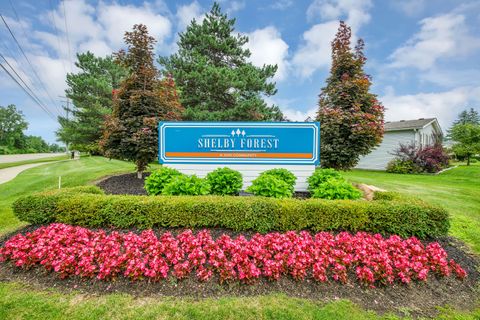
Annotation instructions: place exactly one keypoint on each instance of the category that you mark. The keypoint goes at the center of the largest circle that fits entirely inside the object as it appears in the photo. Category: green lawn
(458, 190)
(44, 177)
(19, 163)
(21, 301)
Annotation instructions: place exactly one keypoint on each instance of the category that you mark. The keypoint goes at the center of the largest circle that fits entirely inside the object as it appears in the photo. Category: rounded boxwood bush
(320, 176)
(157, 180)
(333, 189)
(187, 185)
(270, 186)
(225, 181)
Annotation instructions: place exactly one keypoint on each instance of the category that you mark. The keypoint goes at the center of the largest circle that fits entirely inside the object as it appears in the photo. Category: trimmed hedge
(404, 217)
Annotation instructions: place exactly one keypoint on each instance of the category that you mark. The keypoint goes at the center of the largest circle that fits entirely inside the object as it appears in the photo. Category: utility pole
(67, 101)
(67, 109)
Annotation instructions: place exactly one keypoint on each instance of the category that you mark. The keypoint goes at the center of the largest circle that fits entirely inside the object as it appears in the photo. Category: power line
(38, 78)
(23, 53)
(58, 37)
(21, 79)
(66, 33)
(28, 93)
(37, 100)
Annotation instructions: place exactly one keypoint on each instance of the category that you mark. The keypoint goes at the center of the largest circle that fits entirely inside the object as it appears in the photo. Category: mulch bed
(123, 184)
(418, 298)
(130, 184)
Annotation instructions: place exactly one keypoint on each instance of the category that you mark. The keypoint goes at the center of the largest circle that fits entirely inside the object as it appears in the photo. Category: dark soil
(123, 184)
(418, 299)
(130, 184)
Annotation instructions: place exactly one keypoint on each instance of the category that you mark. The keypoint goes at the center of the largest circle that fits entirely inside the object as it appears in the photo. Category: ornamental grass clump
(369, 259)
(157, 180)
(225, 181)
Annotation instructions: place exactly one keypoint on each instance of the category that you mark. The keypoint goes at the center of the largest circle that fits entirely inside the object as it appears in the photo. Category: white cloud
(117, 19)
(297, 115)
(290, 108)
(315, 52)
(234, 6)
(355, 10)
(268, 47)
(450, 77)
(439, 37)
(410, 7)
(185, 14)
(80, 20)
(282, 4)
(445, 105)
(51, 73)
(100, 29)
(99, 47)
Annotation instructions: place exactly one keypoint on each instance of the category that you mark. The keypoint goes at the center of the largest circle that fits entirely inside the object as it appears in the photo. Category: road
(30, 156)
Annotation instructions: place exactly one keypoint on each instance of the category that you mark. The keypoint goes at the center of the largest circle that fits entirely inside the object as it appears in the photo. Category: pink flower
(70, 250)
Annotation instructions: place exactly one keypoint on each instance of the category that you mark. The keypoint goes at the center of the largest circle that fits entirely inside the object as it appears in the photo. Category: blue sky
(424, 56)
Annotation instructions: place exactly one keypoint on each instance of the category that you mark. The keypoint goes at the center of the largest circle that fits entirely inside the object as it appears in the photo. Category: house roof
(408, 124)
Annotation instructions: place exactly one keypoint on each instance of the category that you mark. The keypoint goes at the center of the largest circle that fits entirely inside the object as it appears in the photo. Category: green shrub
(387, 195)
(186, 186)
(405, 217)
(402, 166)
(157, 180)
(282, 174)
(320, 176)
(268, 185)
(80, 189)
(225, 181)
(334, 189)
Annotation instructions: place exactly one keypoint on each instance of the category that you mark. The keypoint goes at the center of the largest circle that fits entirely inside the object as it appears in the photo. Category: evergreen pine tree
(471, 116)
(141, 101)
(90, 91)
(465, 117)
(215, 79)
(351, 118)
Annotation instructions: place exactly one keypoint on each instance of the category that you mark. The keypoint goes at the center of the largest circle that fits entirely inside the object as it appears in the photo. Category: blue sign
(239, 142)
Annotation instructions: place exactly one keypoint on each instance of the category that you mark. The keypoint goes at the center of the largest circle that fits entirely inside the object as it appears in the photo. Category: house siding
(425, 135)
(380, 156)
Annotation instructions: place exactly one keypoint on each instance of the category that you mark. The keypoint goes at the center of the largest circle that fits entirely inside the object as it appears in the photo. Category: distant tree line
(13, 140)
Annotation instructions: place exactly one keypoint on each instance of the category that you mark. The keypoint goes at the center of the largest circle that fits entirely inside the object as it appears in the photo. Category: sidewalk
(8, 174)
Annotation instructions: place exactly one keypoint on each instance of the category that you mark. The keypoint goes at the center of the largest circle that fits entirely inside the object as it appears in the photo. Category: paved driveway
(8, 174)
(30, 156)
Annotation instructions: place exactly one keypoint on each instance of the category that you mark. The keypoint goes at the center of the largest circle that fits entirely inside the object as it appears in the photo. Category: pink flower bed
(373, 259)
